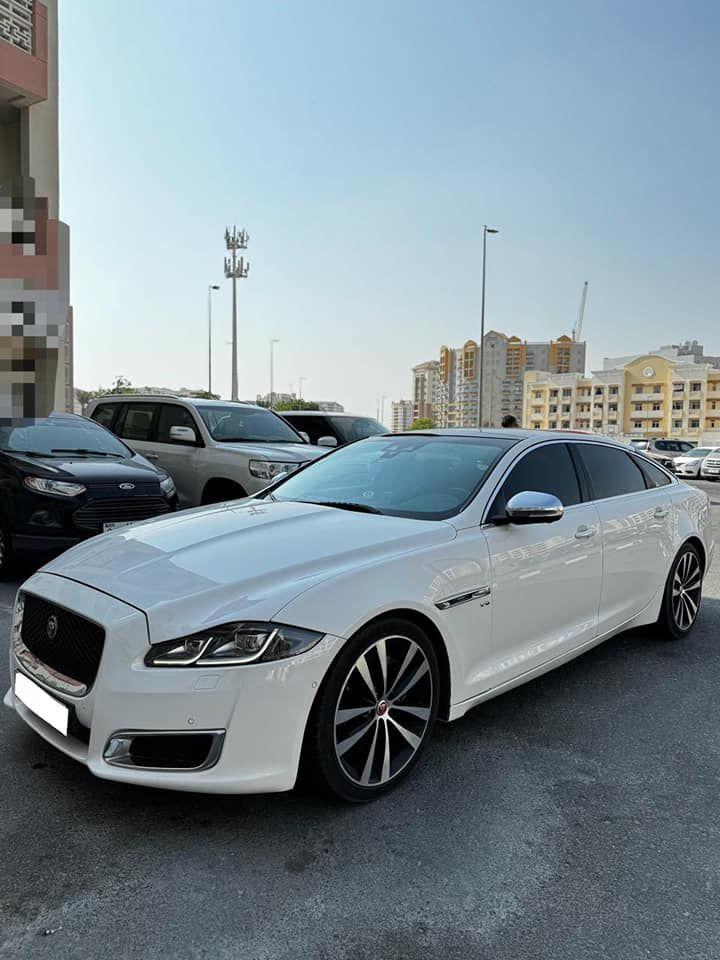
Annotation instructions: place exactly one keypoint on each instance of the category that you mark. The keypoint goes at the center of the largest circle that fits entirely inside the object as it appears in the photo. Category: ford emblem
(51, 628)
(127, 486)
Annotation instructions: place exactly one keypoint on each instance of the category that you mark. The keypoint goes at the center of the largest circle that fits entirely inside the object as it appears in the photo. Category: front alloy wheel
(683, 591)
(376, 710)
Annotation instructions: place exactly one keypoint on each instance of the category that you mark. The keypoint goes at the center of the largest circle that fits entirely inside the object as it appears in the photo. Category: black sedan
(64, 478)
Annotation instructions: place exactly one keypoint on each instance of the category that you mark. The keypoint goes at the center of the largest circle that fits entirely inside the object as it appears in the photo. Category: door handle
(661, 512)
(584, 531)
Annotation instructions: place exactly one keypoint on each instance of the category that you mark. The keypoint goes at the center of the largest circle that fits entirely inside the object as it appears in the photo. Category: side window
(654, 475)
(105, 414)
(138, 422)
(172, 415)
(662, 445)
(314, 427)
(549, 469)
(612, 473)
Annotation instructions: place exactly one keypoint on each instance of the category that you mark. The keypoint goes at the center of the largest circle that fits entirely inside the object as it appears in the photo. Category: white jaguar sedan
(327, 623)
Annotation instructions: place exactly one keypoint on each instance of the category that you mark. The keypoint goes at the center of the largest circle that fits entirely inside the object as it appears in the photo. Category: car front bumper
(256, 714)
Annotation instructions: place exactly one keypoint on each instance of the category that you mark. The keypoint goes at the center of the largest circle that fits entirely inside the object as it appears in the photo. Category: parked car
(213, 450)
(64, 478)
(333, 429)
(689, 464)
(710, 467)
(329, 621)
(663, 451)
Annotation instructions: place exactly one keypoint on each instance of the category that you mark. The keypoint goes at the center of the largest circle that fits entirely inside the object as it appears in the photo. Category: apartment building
(35, 313)
(425, 381)
(401, 416)
(506, 359)
(650, 396)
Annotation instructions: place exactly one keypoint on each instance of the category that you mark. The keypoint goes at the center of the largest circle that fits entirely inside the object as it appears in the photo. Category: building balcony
(647, 415)
(647, 395)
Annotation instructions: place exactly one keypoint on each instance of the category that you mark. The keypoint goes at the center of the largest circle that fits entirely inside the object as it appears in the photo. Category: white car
(328, 622)
(690, 464)
(710, 467)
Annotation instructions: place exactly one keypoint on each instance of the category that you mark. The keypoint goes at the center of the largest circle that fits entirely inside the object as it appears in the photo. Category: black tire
(6, 553)
(683, 593)
(364, 755)
(218, 491)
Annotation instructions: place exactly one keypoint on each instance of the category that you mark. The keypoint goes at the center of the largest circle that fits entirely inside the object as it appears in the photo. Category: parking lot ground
(575, 817)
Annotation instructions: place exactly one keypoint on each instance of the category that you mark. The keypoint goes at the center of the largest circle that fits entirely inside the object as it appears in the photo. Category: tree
(422, 423)
(121, 385)
(204, 395)
(296, 405)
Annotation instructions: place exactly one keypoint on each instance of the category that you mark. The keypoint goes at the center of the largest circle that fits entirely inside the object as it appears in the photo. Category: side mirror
(533, 507)
(327, 442)
(183, 435)
(305, 436)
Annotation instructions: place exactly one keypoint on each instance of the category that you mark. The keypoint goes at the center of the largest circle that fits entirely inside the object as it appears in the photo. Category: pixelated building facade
(35, 312)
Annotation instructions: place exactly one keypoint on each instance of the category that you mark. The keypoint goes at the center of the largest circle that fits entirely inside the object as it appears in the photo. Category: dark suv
(65, 478)
(333, 429)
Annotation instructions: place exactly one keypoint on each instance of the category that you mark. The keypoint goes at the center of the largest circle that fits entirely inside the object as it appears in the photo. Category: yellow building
(652, 396)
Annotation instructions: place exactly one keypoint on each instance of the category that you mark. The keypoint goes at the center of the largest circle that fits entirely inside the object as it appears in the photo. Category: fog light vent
(171, 750)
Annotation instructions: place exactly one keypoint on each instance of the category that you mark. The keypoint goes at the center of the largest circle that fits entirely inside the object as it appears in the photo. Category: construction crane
(577, 329)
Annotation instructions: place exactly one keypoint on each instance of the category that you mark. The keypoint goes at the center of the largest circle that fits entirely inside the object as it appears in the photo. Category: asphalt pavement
(575, 817)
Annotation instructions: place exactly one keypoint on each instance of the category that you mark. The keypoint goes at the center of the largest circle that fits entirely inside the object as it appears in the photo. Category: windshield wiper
(346, 505)
(27, 453)
(92, 453)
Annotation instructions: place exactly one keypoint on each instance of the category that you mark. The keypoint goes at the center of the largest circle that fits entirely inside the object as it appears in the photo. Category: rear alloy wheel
(683, 590)
(376, 710)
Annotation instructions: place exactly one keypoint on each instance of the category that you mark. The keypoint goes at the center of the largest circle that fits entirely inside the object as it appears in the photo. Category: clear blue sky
(363, 145)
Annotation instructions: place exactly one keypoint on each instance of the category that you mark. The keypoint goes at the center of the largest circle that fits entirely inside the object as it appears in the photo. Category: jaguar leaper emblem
(51, 628)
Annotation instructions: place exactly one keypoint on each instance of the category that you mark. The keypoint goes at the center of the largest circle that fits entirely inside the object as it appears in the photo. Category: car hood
(105, 470)
(283, 452)
(241, 560)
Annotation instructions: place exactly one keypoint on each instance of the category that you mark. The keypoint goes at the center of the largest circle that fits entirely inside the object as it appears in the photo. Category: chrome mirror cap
(533, 507)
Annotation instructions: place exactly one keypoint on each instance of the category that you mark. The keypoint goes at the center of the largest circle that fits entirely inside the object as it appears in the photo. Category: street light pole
(235, 269)
(486, 231)
(211, 287)
(272, 373)
(301, 380)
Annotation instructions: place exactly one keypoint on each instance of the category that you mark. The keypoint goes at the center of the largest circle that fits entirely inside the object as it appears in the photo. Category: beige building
(505, 362)
(401, 416)
(651, 396)
(35, 312)
(425, 381)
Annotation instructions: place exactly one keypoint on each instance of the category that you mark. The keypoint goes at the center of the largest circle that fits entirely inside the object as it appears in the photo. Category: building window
(637, 424)
(694, 424)
(638, 408)
(655, 424)
(597, 424)
(613, 408)
(656, 406)
(566, 408)
(696, 387)
(638, 388)
(677, 405)
(537, 395)
(567, 392)
(694, 404)
(677, 424)
(613, 391)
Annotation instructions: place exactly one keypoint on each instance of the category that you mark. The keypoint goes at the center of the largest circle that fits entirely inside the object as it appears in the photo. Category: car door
(546, 577)
(180, 459)
(635, 514)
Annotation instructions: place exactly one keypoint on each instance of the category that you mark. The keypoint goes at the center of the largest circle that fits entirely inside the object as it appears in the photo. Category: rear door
(136, 426)
(636, 529)
(546, 577)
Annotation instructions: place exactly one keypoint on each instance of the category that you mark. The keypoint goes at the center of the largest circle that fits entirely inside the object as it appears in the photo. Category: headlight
(269, 469)
(167, 486)
(56, 487)
(233, 644)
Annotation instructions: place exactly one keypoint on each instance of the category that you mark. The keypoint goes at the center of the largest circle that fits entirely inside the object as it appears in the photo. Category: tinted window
(236, 423)
(548, 469)
(612, 472)
(138, 421)
(424, 477)
(357, 428)
(172, 415)
(60, 437)
(105, 414)
(655, 476)
(314, 427)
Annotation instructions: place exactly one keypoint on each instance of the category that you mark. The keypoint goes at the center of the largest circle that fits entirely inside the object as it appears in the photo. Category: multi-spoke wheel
(376, 710)
(682, 594)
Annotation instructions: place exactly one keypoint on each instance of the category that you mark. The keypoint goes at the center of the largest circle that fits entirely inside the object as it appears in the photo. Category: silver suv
(664, 451)
(214, 450)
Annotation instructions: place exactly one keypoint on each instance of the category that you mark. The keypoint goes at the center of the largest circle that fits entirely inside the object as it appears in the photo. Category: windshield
(357, 428)
(640, 444)
(236, 423)
(424, 477)
(698, 452)
(61, 437)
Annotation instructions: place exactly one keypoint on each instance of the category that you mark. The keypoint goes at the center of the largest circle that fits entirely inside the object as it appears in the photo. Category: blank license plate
(42, 704)
(114, 526)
